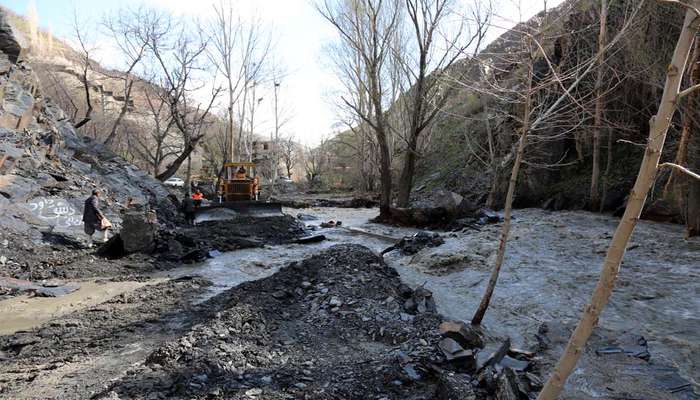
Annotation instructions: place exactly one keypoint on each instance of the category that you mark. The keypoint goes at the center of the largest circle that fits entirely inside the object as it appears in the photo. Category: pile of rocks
(336, 325)
(493, 366)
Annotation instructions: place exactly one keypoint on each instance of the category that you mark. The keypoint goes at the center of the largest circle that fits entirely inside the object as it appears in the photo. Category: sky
(307, 91)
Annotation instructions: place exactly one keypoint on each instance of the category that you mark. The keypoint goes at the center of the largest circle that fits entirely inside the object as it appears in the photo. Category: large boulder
(139, 230)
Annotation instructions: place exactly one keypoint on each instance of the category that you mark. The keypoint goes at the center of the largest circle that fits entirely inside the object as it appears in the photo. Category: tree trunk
(688, 119)
(491, 199)
(505, 229)
(122, 113)
(658, 127)
(599, 104)
(693, 159)
(175, 165)
(406, 179)
(385, 177)
(188, 176)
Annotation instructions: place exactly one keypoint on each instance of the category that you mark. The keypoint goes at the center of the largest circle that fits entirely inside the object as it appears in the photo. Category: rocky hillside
(43, 185)
(558, 169)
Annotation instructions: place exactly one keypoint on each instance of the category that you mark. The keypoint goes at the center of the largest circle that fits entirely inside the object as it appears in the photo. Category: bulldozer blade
(245, 207)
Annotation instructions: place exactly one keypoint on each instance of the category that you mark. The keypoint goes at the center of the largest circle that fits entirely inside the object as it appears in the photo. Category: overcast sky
(299, 34)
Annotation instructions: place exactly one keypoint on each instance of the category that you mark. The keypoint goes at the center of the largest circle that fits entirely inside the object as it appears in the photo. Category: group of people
(94, 221)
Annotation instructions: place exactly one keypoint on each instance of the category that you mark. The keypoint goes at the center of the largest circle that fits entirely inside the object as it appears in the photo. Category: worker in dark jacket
(93, 217)
(188, 209)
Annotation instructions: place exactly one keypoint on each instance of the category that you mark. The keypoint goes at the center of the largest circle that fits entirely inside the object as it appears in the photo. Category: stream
(552, 264)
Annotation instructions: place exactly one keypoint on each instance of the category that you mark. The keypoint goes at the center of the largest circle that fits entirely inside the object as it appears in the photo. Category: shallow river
(551, 267)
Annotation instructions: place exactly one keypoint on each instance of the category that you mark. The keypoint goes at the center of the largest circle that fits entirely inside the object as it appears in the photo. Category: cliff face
(558, 168)
(46, 169)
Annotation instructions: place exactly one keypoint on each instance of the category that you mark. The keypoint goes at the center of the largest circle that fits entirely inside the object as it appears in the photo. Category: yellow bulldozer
(239, 190)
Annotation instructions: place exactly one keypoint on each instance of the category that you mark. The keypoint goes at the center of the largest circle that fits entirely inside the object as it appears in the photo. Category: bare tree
(432, 53)
(179, 61)
(239, 50)
(368, 30)
(160, 141)
(131, 31)
(599, 105)
(289, 152)
(85, 50)
(316, 162)
(659, 125)
(546, 102)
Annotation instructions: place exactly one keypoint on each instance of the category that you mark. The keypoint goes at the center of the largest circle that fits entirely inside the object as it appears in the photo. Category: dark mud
(75, 356)
(57, 257)
(193, 244)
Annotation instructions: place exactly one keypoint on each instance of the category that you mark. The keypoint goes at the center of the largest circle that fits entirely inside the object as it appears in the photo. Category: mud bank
(74, 356)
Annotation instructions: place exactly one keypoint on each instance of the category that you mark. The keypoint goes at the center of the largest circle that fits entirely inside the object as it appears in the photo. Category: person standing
(188, 209)
(197, 196)
(93, 219)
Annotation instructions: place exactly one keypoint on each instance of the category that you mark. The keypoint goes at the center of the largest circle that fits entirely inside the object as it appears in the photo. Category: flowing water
(552, 264)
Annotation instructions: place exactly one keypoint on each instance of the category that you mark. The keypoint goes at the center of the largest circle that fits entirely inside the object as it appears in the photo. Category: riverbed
(552, 264)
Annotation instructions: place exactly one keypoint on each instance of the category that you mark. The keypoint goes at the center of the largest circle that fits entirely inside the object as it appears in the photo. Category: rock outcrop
(47, 169)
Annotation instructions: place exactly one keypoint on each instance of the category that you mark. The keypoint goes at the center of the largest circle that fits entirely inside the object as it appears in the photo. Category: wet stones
(456, 355)
(492, 354)
(311, 239)
(331, 224)
(417, 301)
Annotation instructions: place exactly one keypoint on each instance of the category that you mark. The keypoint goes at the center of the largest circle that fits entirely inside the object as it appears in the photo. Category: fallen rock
(507, 385)
(455, 386)
(138, 232)
(306, 217)
(420, 301)
(456, 355)
(467, 336)
(492, 354)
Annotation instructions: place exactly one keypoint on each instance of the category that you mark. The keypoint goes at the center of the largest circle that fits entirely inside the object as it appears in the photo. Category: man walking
(93, 218)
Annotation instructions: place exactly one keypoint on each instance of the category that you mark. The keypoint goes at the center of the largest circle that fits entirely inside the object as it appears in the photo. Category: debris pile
(413, 244)
(336, 325)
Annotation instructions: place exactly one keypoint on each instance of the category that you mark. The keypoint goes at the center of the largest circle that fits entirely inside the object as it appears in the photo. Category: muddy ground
(323, 321)
(339, 324)
(58, 258)
(76, 355)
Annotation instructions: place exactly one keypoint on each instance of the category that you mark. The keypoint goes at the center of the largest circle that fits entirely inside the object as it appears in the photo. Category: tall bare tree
(160, 141)
(131, 30)
(434, 47)
(368, 30)
(239, 50)
(179, 56)
(547, 101)
(86, 66)
(289, 152)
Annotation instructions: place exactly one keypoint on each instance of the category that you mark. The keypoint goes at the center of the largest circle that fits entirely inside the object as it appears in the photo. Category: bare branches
(680, 169)
(684, 5)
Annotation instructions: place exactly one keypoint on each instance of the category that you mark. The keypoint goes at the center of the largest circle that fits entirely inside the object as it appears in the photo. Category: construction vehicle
(239, 190)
